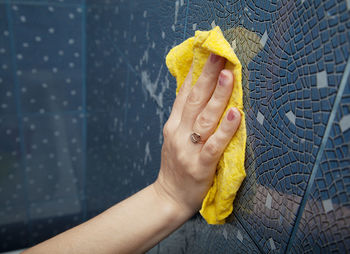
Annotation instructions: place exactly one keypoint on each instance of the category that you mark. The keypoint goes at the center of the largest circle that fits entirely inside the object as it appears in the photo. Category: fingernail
(222, 79)
(230, 115)
(214, 58)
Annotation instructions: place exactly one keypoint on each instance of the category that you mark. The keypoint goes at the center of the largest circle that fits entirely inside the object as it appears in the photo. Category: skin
(138, 223)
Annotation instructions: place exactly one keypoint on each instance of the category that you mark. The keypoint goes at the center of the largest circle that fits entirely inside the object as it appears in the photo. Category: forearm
(132, 226)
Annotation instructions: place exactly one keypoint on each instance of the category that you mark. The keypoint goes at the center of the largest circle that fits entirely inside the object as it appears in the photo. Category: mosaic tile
(196, 236)
(324, 223)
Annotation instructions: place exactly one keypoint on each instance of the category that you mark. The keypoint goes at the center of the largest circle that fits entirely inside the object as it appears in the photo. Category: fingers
(217, 143)
(208, 119)
(202, 91)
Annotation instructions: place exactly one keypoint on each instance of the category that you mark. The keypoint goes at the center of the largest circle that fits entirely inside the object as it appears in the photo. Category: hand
(185, 176)
(187, 169)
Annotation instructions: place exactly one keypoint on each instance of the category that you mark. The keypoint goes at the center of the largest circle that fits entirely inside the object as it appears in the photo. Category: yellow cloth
(218, 203)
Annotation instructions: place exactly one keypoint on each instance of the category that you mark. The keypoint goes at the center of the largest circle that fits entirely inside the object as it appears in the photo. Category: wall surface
(42, 120)
(85, 92)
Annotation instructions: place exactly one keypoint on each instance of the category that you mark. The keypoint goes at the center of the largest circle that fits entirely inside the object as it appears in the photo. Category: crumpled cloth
(218, 203)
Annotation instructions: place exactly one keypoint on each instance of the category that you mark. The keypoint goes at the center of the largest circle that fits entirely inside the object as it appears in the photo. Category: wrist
(178, 212)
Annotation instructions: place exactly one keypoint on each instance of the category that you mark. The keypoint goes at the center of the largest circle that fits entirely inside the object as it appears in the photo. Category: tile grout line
(319, 154)
(84, 127)
(19, 115)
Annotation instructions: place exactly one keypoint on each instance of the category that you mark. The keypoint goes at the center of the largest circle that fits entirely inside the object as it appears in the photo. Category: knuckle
(166, 130)
(212, 150)
(223, 136)
(208, 76)
(193, 98)
(205, 121)
(197, 175)
(220, 96)
(178, 146)
(182, 159)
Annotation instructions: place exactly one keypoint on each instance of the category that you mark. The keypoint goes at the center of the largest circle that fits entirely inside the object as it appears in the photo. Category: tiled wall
(42, 118)
(85, 92)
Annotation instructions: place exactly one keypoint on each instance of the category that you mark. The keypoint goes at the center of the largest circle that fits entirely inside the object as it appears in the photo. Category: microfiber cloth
(218, 203)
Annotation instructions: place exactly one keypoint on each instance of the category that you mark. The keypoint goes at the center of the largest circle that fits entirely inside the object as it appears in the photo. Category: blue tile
(320, 228)
(108, 29)
(106, 175)
(123, 153)
(7, 87)
(48, 2)
(12, 185)
(52, 36)
(13, 211)
(49, 218)
(14, 233)
(154, 29)
(106, 76)
(53, 156)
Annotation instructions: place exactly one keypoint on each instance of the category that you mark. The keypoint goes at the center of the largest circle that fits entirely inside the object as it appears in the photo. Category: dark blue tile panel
(12, 188)
(13, 210)
(53, 157)
(53, 165)
(48, 2)
(51, 217)
(129, 93)
(155, 27)
(48, 56)
(107, 65)
(7, 86)
(144, 126)
(14, 233)
(123, 149)
(105, 173)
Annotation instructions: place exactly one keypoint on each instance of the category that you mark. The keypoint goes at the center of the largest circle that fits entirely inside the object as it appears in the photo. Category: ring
(195, 138)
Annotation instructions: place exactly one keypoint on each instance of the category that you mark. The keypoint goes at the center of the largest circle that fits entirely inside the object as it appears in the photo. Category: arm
(132, 226)
(187, 170)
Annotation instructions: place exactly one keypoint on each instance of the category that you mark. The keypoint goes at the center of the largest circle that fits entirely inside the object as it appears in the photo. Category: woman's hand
(187, 168)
